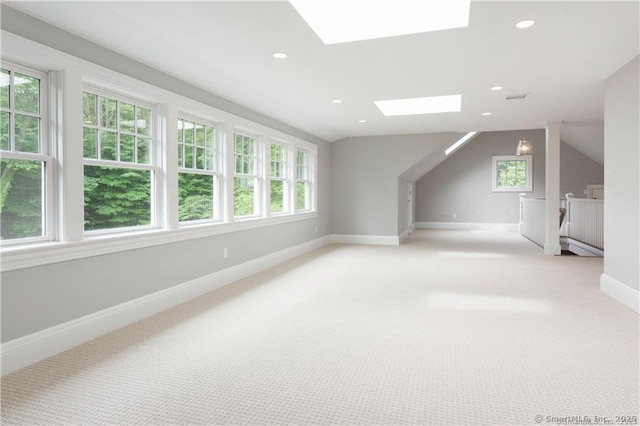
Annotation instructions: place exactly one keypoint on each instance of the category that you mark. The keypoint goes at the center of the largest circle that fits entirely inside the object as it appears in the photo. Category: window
(118, 176)
(303, 181)
(26, 166)
(245, 196)
(119, 171)
(278, 182)
(197, 171)
(512, 173)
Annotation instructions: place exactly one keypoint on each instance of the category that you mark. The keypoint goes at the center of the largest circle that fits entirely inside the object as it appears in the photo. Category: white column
(552, 192)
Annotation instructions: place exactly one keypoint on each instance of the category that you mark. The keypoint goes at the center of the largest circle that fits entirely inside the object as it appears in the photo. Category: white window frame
(67, 239)
(286, 178)
(153, 166)
(307, 180)
(527, 187)
(257, 175)
(218, 159)
(46, 154)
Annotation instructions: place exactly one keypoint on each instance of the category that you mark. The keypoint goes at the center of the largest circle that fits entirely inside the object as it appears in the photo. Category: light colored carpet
(453, 327)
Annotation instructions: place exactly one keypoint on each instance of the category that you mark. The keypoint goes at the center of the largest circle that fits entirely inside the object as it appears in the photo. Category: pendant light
(524, 147)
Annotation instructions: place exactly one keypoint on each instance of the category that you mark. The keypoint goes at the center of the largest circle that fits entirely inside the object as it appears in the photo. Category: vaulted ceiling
(226, 47)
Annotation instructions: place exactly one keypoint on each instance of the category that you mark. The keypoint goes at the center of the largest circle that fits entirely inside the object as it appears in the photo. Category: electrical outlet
(453, 216)
(225, 253)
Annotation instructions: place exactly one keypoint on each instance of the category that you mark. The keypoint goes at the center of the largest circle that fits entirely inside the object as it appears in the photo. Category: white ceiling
(226, 48)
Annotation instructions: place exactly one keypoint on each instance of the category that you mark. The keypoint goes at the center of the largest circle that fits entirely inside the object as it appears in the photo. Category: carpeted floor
(452, 327)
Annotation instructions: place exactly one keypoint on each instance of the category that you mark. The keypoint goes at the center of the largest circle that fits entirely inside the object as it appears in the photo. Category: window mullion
(167, 129)
(67, 140)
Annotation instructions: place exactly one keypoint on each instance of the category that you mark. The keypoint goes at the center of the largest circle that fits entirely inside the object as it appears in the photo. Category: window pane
(239, 144)
(144, 145)
(21, 199)
(239, 164)
(180, 155)
(243, 196)
(188, 156)
(195, 196)
(277, 196)
(107, 145)
(127, 148)
(143, 122)
(249, 165)
(199, 135)
(301, 196)
(5, 81)
(188, 132)
(127, 117)
(210, 160)
(89, 142)
(200, 158)
(89, 105)
(26, 93)
(210, 137)
(4, 131)
(180, 134)
(27, 135)
(116, 197)
(108, 113)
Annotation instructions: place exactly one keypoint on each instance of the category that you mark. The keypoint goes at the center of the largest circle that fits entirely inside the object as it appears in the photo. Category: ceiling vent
(514, 97)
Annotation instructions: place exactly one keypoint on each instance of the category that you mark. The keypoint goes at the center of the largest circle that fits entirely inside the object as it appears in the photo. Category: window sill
(26, 256)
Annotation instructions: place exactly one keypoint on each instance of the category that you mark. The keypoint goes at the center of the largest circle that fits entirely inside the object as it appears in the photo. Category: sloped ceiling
(226, 47)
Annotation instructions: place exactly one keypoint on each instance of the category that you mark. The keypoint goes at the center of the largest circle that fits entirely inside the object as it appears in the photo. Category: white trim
(621, 292)
(404, 235)
(384, 240)
(582, 249)
(24, 351)
(468, 226)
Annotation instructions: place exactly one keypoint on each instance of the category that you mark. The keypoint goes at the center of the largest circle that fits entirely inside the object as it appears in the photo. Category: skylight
(341, 21)
(414, 106)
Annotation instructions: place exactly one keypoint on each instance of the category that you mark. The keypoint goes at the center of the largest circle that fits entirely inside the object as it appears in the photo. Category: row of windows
(221, 175)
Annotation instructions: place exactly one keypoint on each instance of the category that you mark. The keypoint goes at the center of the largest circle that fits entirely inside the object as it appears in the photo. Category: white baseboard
(21, 352)
(468, 226)
(582, 249)
(384, 240)
(621, 292)
(403, 235)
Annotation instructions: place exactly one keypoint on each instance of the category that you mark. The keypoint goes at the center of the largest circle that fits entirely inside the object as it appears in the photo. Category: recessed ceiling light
(486, 113)
(431, 105)
(494, 88)
(340, 21)
(362, 121)
(280, 55)
(525, 24)
(337, 101)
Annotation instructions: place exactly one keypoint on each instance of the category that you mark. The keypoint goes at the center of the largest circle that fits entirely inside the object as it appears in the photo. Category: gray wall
(621, 177)
(461, 185)
(37, 298)
(577, 171)
(364, 179)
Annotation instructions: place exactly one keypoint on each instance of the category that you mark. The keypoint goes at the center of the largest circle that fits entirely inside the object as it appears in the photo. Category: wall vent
(514, 97)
